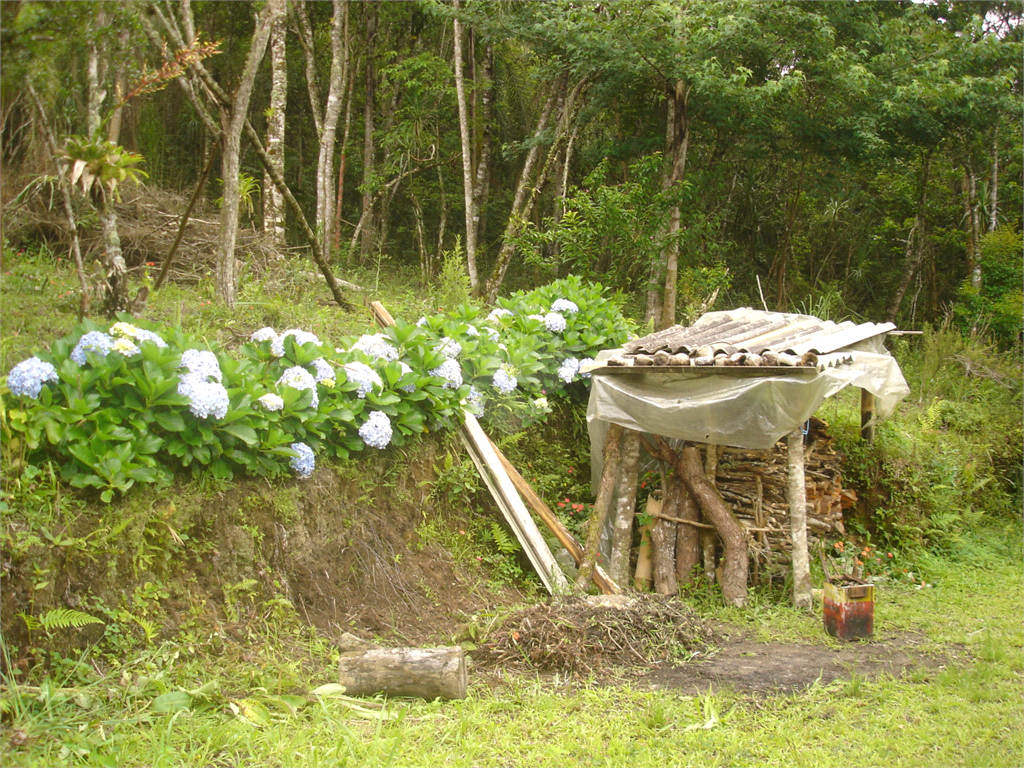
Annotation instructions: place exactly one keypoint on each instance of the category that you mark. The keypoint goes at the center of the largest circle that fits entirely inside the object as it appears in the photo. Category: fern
(59, 618)
(502, 541)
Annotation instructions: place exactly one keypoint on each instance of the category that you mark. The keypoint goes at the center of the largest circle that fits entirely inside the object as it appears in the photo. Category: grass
(963, 713)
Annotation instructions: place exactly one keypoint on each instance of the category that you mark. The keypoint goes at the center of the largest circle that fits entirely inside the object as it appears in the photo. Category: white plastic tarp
(743, 411)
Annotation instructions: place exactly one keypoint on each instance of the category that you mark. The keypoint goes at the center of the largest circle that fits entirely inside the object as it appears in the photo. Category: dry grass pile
(577, 635)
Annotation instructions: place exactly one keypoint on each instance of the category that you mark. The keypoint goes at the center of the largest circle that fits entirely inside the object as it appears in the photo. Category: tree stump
(426, 673)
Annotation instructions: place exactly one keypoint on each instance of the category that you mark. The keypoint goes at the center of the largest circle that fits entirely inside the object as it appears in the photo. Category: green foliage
(100, 166)
(999, 306)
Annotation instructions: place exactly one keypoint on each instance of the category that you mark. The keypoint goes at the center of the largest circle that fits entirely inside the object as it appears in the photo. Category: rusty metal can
(849, 610)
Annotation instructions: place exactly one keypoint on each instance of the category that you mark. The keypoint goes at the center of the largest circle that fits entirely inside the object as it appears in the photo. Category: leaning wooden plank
(427, 673)
(512, 505)
(550, 519)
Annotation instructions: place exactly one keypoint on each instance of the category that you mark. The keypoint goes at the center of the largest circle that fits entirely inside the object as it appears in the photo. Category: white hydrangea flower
(206, 398)
(141, 335)
(377, 346)
(364, 376)
(492, 333)
(504, 381)
(28, 376)
(324, 370)
(421, 322)
(124, 330)
(202, 363)
(125, 346)
(265, 333)
(476, 400)
(305, 462)
(541, 403)
(271, 402)
(298, 377)
(568, 369)
(472, 330)
(450, 371)
(554, 322)
(300, 336)
(564, 305)
(376, 430)
(448, 347)
(93, 341)
(497, 313)
(539, 318)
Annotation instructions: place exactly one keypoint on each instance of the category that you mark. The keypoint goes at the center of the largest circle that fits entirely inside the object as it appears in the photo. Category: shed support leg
(867, 416)
(798, 520)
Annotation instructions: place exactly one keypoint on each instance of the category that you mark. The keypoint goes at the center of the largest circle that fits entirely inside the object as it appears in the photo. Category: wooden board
(708, 370)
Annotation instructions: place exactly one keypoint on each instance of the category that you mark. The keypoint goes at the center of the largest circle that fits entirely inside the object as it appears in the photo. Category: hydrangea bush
(126, 404)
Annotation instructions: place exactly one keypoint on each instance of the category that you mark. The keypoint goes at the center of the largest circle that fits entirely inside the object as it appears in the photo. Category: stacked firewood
(754, 484)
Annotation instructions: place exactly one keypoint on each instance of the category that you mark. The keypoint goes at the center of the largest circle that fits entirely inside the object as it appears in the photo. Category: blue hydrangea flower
(568, 369)
(472, 330)
(28, 376)
(421, 322)
(125, 347)
(297, 377)
(377, 346)
(448, 347)
(476, 399)
(450, 371)
(142, 335)
(376, 430)
(364, 376)
(564, 305)
(498, 313)
(93, 341)
(271, 402)
(264, 334)
(324, 370)
(492, 333)
(554, 322)
(504, 381)
(301, 337)
(202, 363)
(206, 398)
(406, 368)
(305, 462)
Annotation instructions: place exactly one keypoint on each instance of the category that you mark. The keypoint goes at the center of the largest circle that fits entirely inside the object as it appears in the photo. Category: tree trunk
(366, 245)
(483, 165)
(426, 673)
(644, 567)
(915, 245)
(325, 159)
(94, 82)
(622, 530)
(233, 121)
(993, 190)
(116, 299)
(344, 154)
(273, 200)
(663, 548)
(679, 131)
(467, 159)
(602, 505)
(797, 494)
(688, 549)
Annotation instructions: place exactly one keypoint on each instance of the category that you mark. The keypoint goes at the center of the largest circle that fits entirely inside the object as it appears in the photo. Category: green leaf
(172, 701)
(243, 432)
(172, 422)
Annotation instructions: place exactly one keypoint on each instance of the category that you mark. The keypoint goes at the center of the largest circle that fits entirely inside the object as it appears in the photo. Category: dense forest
(844, 159)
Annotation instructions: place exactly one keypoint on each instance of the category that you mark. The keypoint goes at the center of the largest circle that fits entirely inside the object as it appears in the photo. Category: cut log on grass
(687, 536)
(798, 521)
(625, 508)
(602, 505)
(425, 673)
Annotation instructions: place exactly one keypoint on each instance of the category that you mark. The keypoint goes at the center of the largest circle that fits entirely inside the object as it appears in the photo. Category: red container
(850, 611)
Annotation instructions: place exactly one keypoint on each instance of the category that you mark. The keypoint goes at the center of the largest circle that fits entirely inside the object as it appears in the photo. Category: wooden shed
(710, 403)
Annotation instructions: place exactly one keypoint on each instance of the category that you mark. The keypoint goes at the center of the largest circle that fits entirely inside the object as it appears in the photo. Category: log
(642, 578)
(425, 673)
(663, 546)
(798, 521)
(602, 505)
(688, 550)
(867, 416)
(625, 509)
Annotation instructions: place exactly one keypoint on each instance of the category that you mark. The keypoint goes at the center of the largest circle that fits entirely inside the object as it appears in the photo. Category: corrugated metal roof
(754, 331)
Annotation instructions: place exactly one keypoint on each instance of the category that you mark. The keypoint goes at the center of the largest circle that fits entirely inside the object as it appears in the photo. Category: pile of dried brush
(577, 635)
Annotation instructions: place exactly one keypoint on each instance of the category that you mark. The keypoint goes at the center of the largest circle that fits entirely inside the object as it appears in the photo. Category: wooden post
(625, 509)
(663, 547)
(798, 520)
(642, 579)
(867, 416)
(709, 539)
(602, 505)
(687, 536)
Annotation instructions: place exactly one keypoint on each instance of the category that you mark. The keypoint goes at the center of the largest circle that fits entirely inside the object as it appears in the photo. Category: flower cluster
(125, 347)
(263, 334)
(201, 363)
(28, 376)
(450, 371)
(93, 341)
(554, 322)
(271, 402)
(297, 377)
(300, 336)
(305, 462)
(564, 305)
(376, 430)
(498, 313)
(406, 368)
(476, 400)
(504, 381)
(472, 330)
(493, 333)
(364, 376)
(377, 346)
(324, 371)
(206, 398)
(449, 347)
(129, 331)
(568, 369)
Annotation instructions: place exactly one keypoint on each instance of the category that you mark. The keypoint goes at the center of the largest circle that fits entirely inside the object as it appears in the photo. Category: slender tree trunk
(915, 244)
(973, 226)
(602, 505)
(679, 132)
(233, 120)
(116, 299)
(797, 494)
(305, 34)
(483, 165)
(325, 160)
(467, 159)
(993, 191)
(688, 549)
(442, 225)
(344, 154)
(368, 115)
(625, 509)
(273, 200)
(95, 94)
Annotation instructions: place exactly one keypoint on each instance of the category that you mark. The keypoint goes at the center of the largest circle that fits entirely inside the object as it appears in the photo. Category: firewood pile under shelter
(723, 409)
